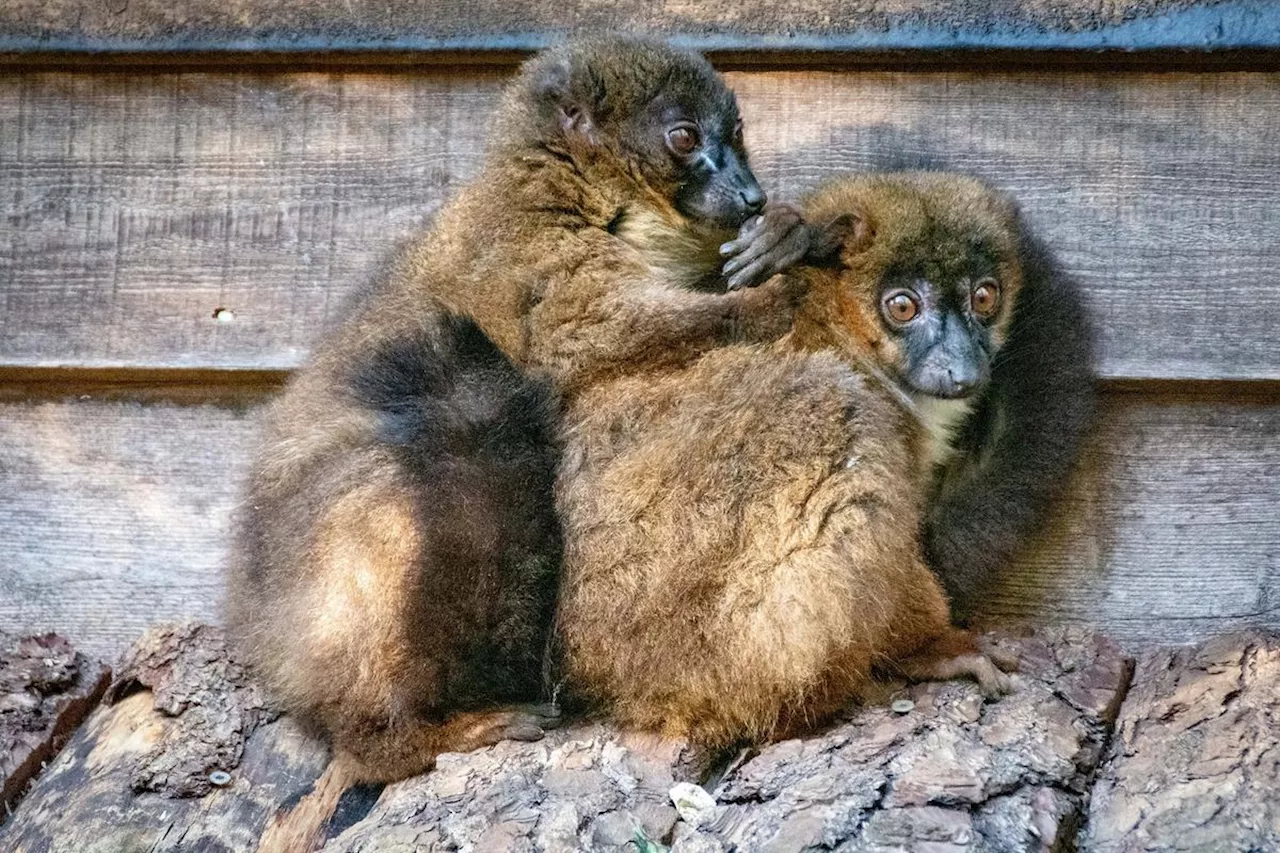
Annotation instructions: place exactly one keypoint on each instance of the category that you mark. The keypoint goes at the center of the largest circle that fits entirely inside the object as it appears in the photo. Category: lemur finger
(1006, 659)
(765, 240)
(784, 254)
(757, 249)
(523, 732)
(545, 715)
(746, 237)
(770, 226)
(750, 276)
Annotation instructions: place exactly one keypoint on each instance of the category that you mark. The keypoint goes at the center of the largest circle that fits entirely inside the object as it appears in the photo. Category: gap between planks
(236, 60)
(251, 386)
(168, 385)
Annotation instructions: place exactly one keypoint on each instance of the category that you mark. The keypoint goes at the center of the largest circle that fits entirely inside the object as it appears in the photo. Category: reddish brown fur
(530, 250)
(742, 535)
(894, 210)
(356, 591)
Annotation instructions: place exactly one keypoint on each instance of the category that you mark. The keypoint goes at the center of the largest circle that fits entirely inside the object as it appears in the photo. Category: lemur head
(922, 275)
(664, 114)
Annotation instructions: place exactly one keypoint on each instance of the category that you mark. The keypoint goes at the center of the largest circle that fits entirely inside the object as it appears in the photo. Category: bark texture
(212, 705)
(189, 757)
(1195, 764)
(952, 773)
(186, 757)
(46, 689)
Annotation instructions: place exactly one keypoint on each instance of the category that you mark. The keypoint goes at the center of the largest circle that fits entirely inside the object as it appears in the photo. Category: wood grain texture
(32, 26)
(115, 515)
(1168, 532)
(142, 206)
(155, 19)
(137, 206)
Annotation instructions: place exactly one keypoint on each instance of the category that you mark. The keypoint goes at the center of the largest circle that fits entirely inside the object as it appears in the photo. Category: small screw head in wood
(902, 706)
(219, 778)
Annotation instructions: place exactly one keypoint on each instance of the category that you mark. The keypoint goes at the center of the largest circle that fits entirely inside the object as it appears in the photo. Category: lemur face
(663, 111)
(702, 138)
(927, 275)
(943, 307)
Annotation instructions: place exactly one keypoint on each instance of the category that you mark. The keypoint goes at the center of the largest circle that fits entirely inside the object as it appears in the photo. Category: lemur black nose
(753, 197)
(962, 381)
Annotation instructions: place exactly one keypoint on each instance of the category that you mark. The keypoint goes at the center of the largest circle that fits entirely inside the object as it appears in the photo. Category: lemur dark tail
(336, 800)
(364, 760)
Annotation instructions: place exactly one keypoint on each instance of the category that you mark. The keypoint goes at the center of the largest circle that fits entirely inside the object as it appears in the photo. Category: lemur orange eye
(683, 139)
(901, 306)
(985, 297)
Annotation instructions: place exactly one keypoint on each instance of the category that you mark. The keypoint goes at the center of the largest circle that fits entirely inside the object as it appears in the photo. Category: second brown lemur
(1005, 413)
(1025, 421)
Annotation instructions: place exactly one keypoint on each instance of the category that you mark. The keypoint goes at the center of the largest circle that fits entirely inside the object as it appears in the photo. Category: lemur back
(398, 549)
(743, 534)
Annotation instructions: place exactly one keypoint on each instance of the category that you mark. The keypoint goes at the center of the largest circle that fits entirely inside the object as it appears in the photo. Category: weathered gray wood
(142, 204)
(115, 515)
(46, 689)
(1194, 764)
(1169, 531)
(952, 770)
(376, 27)
(145, 773)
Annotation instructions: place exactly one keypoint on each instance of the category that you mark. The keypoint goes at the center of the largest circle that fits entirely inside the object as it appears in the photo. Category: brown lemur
(742, 535)
(396, 567)
(1015, 435)
(1005, 419)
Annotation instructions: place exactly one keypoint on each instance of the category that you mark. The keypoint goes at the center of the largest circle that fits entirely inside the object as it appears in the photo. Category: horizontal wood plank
(114, 515)
(216, 221)
(878, 28)
(212, 221)
(1168, 530)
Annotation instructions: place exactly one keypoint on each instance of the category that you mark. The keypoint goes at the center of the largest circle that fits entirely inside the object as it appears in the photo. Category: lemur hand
(765, 246)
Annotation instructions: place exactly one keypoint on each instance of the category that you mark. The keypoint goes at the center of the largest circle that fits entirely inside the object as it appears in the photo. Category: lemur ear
(847, 234)
(553, 85)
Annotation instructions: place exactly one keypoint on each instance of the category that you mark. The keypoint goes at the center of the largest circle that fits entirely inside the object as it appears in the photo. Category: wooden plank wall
(171, 237)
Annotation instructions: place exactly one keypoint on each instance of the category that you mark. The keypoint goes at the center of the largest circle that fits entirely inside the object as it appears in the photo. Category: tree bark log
(188, 756)
(46, 689)
(1195, 764)
(145, 772)
(953, 773)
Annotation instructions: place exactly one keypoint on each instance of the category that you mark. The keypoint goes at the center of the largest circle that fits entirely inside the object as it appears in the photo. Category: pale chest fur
(942, 420)
(676, 254)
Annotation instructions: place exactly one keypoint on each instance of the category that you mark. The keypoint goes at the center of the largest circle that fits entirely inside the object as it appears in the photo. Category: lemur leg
(958, 653)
